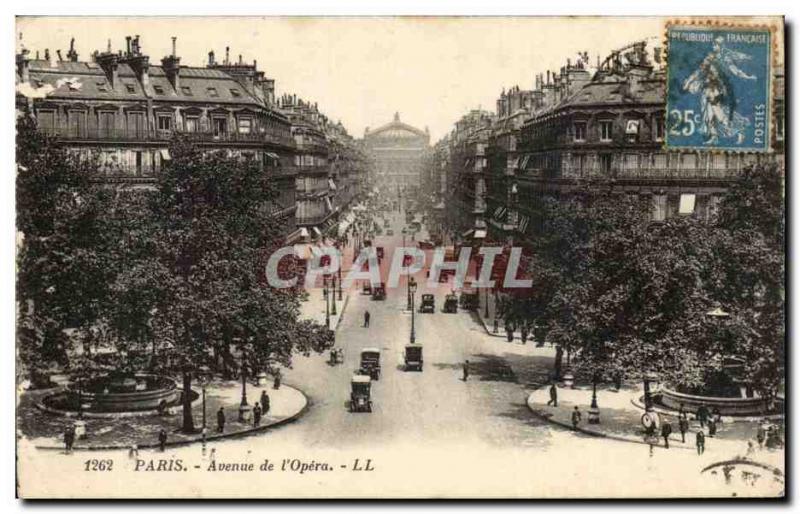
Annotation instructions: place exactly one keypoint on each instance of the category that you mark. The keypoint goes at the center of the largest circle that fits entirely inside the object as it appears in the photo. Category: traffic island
(621, 414)
(45, 430)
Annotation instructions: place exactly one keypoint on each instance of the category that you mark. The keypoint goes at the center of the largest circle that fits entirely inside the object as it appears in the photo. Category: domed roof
(396, 129)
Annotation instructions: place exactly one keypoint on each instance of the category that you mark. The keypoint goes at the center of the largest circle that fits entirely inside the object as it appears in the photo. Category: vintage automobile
(450, 303)
(379, 292)
(413, 357)
(428, 304)
(360, 401)
(469, 300)
(370, 363)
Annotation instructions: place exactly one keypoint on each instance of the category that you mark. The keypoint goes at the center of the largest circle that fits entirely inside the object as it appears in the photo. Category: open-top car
(428, 303)
(450, 303)
(370, 363)
(360, 398)
(413, 357)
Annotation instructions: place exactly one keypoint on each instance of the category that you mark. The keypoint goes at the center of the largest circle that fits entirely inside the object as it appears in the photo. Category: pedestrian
(683, 426)
(256, 414)
(465, 369)
(700, 442)
(69, 438)
(162, 440)
(553, 395)
(712, 427)
(220, 420)
(496, 326)
(716, 415)
(761, 435)
(681, 411)
(576, 417)
(702, 415)
(366, 319)
(666, 430)
(276, 383)
(264, 402)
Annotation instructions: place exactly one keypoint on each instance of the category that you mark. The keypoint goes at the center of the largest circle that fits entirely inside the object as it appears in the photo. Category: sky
(361, 70)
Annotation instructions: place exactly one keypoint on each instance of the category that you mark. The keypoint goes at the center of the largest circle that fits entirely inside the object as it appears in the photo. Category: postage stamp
(718, 87)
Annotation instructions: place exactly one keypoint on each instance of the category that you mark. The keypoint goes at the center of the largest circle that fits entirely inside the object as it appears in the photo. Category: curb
(636, 402)
(345, 303)
(209, 438)
(546, 416)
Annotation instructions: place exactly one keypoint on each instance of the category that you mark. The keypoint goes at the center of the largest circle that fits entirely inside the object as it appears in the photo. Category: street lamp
(412, 288)
(340, 280)
(244, 408)
(333, 295)
(327, 304)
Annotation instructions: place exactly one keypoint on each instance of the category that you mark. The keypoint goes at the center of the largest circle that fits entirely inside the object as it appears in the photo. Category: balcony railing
(655, 174)
(124, 135)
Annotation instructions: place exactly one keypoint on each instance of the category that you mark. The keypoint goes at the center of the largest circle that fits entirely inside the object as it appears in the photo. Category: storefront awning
(316, 231)
(165, 154)
(479, 234)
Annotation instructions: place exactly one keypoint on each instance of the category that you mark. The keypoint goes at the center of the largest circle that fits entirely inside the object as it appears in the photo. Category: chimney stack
(172, 67)
(128, 46)
(211, 58)
(109, 63)
(58, 52)
(72, 55)
(174, 40)
(23, 65)
(227, 55)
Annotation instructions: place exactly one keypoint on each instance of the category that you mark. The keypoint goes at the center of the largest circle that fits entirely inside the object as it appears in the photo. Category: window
(220, 126)
(605, 130)
(579, 131)
(235, 93)
(77, 123)
(101, 87)
(686, 204)
(186, 90)
(159, 90)
(136, 124)
(658, 128)
(605, 162)
(164, 122)
(190, 123)
(212, 91)
(47, 121)
(245, 125)
(659, 207)
(130, 88)
(138, 159)
(106, 123)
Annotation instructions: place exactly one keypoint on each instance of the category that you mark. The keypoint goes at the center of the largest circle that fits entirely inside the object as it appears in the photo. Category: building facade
(398, 151)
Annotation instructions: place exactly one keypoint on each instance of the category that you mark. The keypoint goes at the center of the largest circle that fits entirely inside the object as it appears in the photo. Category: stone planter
(568, 379)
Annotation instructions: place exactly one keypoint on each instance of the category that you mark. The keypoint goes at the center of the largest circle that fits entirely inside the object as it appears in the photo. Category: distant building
(398, 151)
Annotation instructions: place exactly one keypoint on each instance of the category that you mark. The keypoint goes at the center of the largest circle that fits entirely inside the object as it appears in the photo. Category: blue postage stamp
(718, 88)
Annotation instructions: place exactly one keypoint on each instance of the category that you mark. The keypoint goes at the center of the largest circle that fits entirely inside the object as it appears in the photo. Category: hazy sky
(362, 70)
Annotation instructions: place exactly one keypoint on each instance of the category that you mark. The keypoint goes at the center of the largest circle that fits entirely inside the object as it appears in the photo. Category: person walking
(666, 431)
(681, 411)
(366, 319)
(712, 427)
(276, 383)
(553, 395)
(702, 415)
(576, 417)
(257, 414)
(69, 438)
(162, 440)
(264, 403)
(465, 370)
(761, 435)
(700, 442)
(683, 426)
(220, 420)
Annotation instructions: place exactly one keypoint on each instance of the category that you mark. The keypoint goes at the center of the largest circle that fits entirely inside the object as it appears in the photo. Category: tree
(208, 229)
(63, 269)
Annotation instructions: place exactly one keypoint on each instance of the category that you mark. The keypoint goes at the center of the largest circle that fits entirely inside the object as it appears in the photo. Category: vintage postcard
(392, 257)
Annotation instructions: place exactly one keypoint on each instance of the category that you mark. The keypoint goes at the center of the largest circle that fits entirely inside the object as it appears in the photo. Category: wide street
(430, 430)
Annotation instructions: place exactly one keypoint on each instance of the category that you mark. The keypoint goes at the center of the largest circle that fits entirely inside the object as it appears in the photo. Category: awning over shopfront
(316, 231)
(523, 223)
(479, 234)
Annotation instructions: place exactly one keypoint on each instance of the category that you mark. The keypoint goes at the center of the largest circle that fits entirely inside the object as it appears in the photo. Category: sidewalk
(620, 418)
(313, 308)
(45, 430)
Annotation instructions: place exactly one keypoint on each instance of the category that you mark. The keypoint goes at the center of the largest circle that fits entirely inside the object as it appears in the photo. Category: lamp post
(486, 309)
(340, 283)
(327, 304)
(412, 288)
(333, 295)
(244, 408)
(594, 410)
